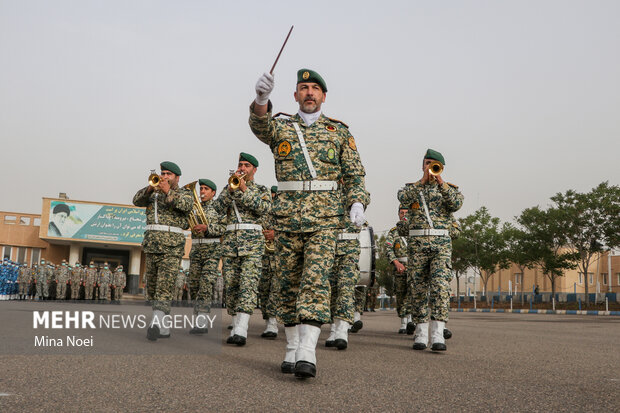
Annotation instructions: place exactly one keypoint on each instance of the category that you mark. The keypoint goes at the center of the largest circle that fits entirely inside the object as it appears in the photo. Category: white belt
(403, 260)
(205, 241)
(426, 232)
(347, 235)
(235, 227)
(307, 186)
(164, 228)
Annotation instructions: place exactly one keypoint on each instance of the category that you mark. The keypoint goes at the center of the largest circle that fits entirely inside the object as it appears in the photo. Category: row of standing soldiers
(47, 281)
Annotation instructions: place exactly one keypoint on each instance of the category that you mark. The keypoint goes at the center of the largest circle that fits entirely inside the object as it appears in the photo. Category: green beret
(432, 154)
(207, 182)
(307, 75)
(401, 206)
(247, 157)
(170, 166)
(274, 189)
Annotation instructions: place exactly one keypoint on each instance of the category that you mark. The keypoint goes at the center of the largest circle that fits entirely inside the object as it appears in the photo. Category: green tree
(461, 260)
(486, 242)
(589, 222)
(541, 242)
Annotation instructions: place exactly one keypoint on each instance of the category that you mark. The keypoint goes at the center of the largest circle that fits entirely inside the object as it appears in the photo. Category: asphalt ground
(507, 362)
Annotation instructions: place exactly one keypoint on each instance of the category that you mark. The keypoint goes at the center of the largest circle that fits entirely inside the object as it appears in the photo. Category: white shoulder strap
(236, 212)
(304, 149)
(428, 216)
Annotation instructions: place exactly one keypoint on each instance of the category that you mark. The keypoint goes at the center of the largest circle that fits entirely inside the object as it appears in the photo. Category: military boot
(201, 324)
(230, 340)
(357, 322)
(438, 343)
(292, 343)
(403, 325)
(332, 336)
(271, 329)
(240, 332)
(342, 336)
(420, 338)
(305, 356)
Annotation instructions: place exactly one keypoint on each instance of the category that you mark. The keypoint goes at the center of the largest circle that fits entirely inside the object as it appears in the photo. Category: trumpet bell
(435, 168)
(234, 181)
(154, 180)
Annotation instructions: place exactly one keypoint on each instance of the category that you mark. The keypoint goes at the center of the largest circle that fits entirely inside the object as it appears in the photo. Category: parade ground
(494, 362)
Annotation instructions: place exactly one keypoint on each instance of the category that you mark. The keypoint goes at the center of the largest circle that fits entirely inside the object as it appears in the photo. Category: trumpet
(435, 168)
(197, 214)
(235, 180)
(154, 179)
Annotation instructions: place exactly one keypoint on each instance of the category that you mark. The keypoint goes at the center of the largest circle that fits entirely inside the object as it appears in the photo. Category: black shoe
(410, 328)
(419, 346)
(447, 334)
(269, 335)
(152, 333)
(340, 344)
(330, 343)
(357, 326)
(198, 330)
(438, 347)
(305, 369)
(230, 340)
(238, 340)
(287, 368)
(230, 327)
(402, 331)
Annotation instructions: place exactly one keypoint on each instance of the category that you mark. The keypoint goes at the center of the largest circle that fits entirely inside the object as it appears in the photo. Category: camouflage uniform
(345, 273)
(179, 285)
(62, 276)
(360, 298)
(430, 256)
(204, 259)
(307, 221)
(76, 281)
(396, 249)
(89, 284)
(120, 281)
(105, 279)
(52, 283)
(41, 280)
(267, 290)
(164, 250)
(242, 249)
(24, 281)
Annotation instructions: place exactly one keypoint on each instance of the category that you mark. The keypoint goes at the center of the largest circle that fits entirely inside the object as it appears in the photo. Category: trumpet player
(205, 255)
(167, 209)
(244, 202)
(431, 203)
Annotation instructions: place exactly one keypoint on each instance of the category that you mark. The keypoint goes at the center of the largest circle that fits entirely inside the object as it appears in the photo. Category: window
(24, 220)
(37, 222)
(10, 219)
(604, 279)
(21, 255)
(618, 276)
(7, 253)
(518, 277)
(36, 256)
(591, 274)
(580, 278)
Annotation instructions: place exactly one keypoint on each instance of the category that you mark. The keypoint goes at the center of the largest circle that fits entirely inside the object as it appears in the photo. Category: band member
(205, 255)
(267, 290)
(312, 154)
(396, 248)
(167, 206)
(431, 202)
(244, 202)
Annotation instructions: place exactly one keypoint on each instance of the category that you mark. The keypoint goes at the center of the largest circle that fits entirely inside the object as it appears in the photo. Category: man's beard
(314, 109)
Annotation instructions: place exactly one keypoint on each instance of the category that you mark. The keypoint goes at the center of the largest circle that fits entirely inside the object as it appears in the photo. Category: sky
(521, 97)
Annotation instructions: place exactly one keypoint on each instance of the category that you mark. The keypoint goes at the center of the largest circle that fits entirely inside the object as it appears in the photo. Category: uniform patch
(352, 143)
(305, 76)
(415, 205)
(397, 245)
(284, 148)
(331, 153)
(331, 128)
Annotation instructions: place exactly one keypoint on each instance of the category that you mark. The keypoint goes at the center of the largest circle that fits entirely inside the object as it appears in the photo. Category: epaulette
(339, 121)
(452, 185)
(281, 113)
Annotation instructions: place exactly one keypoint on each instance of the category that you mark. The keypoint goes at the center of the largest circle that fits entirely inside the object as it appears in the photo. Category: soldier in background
(396, 249)
(312, 154)
(41, 280)
(205, 255)
(62, 276)
(24, 281)
(120, 281)
(105, 283)
(52, 281)
(267, 290)
(243, 244)
(91, 278)
(76, 280)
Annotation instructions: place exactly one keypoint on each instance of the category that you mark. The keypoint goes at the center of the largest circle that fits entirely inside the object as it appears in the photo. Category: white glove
(264, 86)
(357, 214)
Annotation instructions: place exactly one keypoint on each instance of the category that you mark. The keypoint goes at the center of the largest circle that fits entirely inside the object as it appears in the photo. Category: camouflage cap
(207, 182)
(247, 157)
(307, 75)
(170, 166)
(432, 154)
